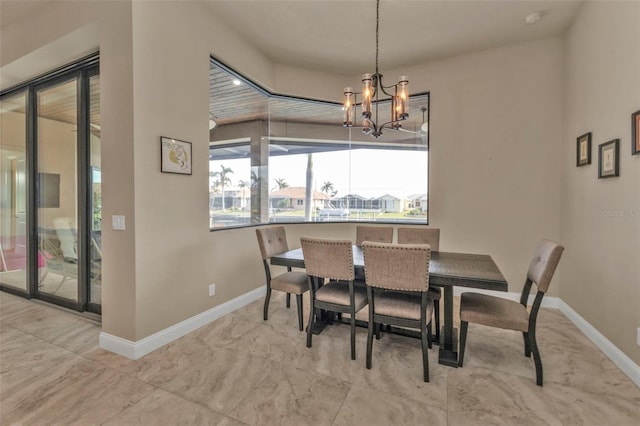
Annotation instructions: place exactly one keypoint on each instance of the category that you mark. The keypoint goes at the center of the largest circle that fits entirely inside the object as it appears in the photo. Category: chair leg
(378, 326)
(463, 341)
(288, 300)
(370, 330)
(527, 346)
(425, 338)
(266, 303)
(310, 325)
(436, 313)
(429, 336)
(536, 358)
(353, 335)
(299, 303)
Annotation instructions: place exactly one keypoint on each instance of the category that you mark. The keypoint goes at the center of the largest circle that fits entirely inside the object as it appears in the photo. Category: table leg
(449, 345)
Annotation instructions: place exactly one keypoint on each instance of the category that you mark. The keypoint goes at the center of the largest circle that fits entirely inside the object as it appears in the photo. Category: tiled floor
(242, 370)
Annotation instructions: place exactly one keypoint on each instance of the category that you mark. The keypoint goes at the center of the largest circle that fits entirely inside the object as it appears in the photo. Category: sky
(366, 172)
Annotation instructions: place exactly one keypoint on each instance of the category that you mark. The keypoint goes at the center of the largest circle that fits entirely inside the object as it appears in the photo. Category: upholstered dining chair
(429, 236)
(397, 278)
(272, 241)
(507, 314)
(332, 260)
(379, 234)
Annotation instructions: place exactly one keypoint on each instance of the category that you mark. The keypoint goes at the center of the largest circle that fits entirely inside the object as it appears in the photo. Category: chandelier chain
(377, 30)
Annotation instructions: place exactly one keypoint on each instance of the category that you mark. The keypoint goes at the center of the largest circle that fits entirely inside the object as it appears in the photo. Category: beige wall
(601, 217)
(496, 161)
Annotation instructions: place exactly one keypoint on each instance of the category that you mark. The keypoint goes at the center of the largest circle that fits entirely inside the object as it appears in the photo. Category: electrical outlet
(212, 290)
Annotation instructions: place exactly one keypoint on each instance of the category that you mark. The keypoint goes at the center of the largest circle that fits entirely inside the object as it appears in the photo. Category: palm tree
(281, 183)
(327, 187)
(223, 178)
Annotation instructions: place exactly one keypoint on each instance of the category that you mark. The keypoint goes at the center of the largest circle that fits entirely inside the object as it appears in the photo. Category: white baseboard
(623, 362)
(136, 350)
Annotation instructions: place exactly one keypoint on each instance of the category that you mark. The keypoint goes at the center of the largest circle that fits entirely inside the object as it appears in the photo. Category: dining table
(446, 270)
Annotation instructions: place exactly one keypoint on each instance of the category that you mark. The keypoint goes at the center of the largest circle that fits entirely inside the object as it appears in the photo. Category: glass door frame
(81, 71)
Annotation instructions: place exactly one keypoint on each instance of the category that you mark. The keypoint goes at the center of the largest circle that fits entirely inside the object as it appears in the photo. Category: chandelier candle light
(371, 88)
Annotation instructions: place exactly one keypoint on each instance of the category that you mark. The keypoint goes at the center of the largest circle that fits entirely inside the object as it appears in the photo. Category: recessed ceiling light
(237, 82)
(532, 18)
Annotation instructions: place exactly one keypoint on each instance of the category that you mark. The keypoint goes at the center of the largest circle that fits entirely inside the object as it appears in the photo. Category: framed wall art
(635, 133)
(609, 159)
(583, 150)
(175, 156)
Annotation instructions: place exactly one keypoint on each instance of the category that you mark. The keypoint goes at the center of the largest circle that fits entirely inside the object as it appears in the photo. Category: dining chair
(498, 312)
(379, 234)
(272, 241)
(332, 260)
(429, 236)
(397, 279)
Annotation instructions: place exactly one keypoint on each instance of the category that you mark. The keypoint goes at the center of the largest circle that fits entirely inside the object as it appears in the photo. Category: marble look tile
(366, 406)
(161, 407)
(395, 368)
(27, 362)
(55, 326)
(225, 330)
(263, 341)
(216, 378)
(114, 361)
(242, 370)
(496, 349)
(577, 406)
(480, 396)
(86, 393)
(291, 396)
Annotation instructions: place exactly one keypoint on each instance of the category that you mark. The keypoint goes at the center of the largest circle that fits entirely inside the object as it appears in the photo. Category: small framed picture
(609, 159)
(635, 133)
(175, 156)
(583, 150)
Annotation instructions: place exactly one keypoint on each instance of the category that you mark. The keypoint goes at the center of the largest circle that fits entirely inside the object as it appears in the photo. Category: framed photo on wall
(175, 156)
(583, 150)
(609, 159)
(635, 133)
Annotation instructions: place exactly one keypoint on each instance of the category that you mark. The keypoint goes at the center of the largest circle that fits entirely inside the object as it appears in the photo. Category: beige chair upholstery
(507, 314)
(429, 236)
(397, 278)
(378, 234)
(332, 260)
(272, 241)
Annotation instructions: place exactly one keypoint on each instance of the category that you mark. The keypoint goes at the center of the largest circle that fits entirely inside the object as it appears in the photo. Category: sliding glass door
(13, 191)
(57, 189)
(50, 216)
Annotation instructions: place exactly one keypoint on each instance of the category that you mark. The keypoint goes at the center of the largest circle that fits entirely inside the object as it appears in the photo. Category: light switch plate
(117, 223)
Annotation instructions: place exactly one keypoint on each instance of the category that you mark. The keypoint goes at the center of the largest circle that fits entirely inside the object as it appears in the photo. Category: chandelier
(371, 88)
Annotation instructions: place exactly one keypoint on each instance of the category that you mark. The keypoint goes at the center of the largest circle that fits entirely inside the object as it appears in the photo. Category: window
(281, 159)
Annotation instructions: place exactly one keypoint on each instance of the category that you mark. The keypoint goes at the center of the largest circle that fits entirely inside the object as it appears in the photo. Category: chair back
(332, 259)
(272, 240)
(544, 264)
(397, 266)
(429, 236)
(378, 234)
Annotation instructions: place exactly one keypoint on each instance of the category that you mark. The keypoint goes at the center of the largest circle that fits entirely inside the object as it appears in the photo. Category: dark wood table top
(445, 269)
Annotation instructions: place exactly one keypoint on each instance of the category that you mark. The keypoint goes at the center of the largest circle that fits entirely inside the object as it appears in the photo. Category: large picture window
(278, 159)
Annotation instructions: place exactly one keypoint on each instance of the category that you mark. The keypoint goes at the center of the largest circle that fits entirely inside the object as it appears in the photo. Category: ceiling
(338, 36)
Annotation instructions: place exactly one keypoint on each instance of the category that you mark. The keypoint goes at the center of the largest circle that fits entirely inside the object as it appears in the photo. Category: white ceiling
(338, 36)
